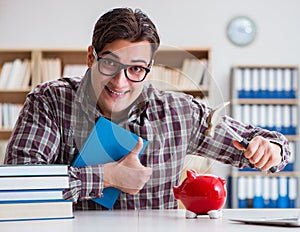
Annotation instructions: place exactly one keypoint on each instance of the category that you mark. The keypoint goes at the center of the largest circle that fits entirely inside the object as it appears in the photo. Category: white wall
(190, 23)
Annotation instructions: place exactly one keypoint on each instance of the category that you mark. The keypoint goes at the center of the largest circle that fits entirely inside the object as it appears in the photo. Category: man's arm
(37, 139)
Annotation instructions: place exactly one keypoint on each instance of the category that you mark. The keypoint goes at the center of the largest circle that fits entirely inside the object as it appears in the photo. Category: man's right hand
(127, 174)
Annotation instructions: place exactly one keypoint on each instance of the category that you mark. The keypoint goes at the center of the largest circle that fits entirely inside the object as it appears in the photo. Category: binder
(250, 191)
(263, 83)
(258, 200)
(255, 83)
(274, 192)
(266, 192)
(271, 83)
(292, 192)
(107, 142)
(242, 198)
(279, 83)
(247, 86)
(238, 82)
(287, 123)
(282, 193)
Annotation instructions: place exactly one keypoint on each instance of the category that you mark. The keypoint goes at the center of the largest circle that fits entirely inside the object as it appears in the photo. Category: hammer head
(214, 119)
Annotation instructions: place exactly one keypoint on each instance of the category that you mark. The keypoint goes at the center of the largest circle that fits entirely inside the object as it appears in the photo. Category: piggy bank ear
(191, 174)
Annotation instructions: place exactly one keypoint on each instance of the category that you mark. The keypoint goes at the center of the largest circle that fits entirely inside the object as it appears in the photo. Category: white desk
(150, 220)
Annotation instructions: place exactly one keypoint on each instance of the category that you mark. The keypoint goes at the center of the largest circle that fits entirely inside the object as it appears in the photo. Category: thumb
(137, 148)
(237, 145)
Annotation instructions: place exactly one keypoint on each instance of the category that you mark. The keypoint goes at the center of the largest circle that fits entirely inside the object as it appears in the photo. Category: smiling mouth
(116, 93)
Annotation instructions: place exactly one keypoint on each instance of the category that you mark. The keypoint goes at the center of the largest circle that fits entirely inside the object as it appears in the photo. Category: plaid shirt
(58, 116)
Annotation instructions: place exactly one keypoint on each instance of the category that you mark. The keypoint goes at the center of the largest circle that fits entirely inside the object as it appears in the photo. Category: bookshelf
(268, 97)
(174, 59)
(13, 95)
(170, 57)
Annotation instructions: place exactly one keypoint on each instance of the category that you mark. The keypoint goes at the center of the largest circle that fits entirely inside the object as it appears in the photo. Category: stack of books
(34, 192)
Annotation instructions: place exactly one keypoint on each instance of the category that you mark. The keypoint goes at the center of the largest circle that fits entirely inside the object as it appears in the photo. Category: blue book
(107, 142)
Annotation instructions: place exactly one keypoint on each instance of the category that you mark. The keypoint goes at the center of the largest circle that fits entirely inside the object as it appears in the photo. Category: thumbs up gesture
(127, 174)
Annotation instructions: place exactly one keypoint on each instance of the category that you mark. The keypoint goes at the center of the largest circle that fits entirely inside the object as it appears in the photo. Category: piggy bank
(201, 194)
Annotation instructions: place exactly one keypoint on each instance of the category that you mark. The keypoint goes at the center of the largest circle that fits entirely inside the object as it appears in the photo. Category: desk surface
(151, 220)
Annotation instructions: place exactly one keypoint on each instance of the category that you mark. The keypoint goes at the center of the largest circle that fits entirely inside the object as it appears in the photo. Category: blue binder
(107, 142)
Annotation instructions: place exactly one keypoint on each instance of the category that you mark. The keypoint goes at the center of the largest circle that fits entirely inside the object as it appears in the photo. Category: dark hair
(124, 23)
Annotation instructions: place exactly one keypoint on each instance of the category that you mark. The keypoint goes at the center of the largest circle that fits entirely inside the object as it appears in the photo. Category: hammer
(214, 119)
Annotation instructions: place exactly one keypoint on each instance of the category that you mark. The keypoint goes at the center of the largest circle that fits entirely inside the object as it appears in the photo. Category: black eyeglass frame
(121, 67)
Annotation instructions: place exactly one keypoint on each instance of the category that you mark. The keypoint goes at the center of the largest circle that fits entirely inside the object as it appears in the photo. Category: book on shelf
(36, 210)
(4, 77)
(107, 142)
(281, 118)
(26, 80)
(267, 192)
(268, 82)
(191, 76)
(51, 69)
(71, 70)
(16, 74)
(9, 114)
(194, 70)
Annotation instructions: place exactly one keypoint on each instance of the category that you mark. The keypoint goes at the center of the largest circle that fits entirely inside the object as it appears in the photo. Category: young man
(58, 116)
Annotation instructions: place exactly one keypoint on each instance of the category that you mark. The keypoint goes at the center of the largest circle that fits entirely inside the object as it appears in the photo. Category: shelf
(259, 173)
(174, 64)
(11, 54)
(5, 134)
(13, 96)
(173, 57)
(67, 56)
(277, 112)
(265, 101)
(197, 93)
(292, 137)
(265, 66)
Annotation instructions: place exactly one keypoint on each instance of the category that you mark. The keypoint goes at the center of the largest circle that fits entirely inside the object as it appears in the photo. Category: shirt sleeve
(37, 139)
(85, 183)
(219, 146)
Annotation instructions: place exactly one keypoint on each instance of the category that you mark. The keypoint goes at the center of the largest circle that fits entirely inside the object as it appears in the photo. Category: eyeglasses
(110, 67)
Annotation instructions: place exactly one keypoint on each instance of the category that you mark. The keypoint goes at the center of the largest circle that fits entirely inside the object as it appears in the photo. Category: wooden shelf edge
(5, 134)
(266, 101)
(266, 66)
(196, 93)
(258, 173)
(292, 137)
(14, 96)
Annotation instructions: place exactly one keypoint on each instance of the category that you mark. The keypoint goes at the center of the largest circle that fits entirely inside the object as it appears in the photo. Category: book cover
(107, 142)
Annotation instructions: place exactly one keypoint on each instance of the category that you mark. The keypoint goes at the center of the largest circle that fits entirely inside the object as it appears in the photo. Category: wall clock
(241, 31)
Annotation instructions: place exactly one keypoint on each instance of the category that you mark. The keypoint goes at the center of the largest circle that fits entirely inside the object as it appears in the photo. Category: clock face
(241, 31)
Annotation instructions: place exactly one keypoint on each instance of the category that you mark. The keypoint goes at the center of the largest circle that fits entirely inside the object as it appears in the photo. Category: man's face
(115, 93)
